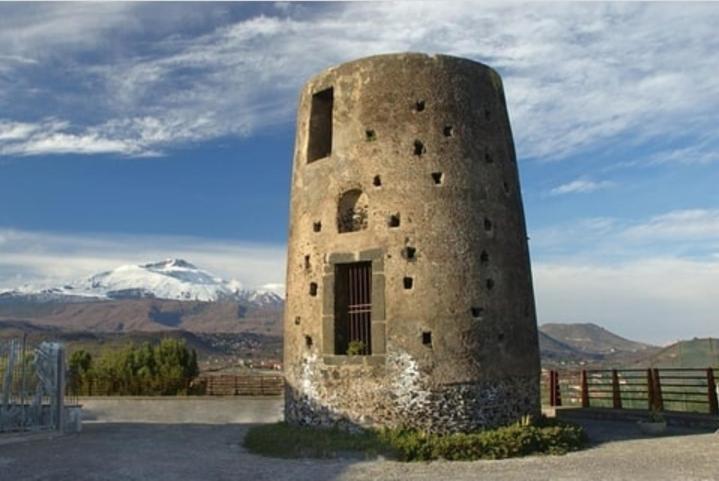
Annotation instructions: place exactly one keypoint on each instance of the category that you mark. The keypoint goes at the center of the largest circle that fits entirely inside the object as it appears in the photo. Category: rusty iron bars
(359, 308)
(555, 393)
(561, 388)
(668, 389)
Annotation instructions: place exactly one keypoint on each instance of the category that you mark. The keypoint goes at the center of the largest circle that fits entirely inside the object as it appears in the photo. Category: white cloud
(652, 299)
(16, 131)
(577, 77)
(698, 153)
(581, 186)
(51, 136)
(690, 224)
(565, 239)
(649, 279)
(49, 258)
(687, 233)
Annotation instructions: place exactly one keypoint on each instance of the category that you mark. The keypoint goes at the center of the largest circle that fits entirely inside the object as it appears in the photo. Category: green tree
(79, 365)
(166, 368)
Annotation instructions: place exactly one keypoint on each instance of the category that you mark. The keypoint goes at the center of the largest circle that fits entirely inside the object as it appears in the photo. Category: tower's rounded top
(440, 60)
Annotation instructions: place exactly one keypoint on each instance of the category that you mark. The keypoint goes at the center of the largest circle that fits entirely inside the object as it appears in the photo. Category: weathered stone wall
(398, 394)
(427, 141)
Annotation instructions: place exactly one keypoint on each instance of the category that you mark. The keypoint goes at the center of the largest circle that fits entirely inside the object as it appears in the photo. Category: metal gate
(32, 385)
(354, 308)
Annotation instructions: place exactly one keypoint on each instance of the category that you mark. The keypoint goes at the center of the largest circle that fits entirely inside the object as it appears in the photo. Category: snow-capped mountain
(173, 279)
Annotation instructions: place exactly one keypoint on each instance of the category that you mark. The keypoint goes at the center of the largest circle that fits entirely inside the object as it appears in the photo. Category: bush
(545, 436)
(166, 368)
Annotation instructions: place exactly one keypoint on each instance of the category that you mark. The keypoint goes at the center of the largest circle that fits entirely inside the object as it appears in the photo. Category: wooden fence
(670, 389)
(242, 385)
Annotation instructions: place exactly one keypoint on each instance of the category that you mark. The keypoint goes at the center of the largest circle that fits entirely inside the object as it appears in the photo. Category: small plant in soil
(355, 348)
(654, 424)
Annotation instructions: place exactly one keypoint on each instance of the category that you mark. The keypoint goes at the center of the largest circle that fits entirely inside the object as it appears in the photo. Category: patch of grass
(284, 440)
(545, 436)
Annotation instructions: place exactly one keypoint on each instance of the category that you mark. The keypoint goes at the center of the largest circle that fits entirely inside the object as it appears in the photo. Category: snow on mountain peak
(174, 279)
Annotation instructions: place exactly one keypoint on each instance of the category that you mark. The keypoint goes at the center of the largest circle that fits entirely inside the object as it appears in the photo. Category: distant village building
(409, 293)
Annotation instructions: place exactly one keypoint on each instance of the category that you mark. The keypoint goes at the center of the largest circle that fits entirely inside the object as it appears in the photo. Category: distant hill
(222, 346)
(226, 330)
(147, 315)
(593, 339)
(589, 345)
(696, 353)
(554, 351)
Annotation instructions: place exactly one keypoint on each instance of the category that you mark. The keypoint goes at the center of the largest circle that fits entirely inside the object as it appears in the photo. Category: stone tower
(409, 292)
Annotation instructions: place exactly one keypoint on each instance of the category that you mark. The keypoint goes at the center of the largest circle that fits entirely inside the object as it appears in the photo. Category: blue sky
(131, 132)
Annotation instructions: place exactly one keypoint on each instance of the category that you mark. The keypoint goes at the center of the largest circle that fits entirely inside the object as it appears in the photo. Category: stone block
(341, 257)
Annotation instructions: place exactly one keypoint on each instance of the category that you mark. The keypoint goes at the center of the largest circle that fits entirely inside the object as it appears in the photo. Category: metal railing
(660, 389)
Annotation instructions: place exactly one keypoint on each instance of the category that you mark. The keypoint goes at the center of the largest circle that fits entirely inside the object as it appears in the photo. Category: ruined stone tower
(409, 293)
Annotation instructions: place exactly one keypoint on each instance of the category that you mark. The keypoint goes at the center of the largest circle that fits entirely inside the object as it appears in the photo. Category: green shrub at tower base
(543, 436)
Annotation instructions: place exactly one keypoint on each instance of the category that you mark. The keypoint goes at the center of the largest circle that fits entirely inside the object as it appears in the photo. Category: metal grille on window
(354, 309)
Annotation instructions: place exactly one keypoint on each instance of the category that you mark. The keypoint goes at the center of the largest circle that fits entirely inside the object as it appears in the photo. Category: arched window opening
(352, 211)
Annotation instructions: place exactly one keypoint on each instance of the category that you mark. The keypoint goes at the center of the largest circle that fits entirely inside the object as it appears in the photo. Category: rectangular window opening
(353, 308)
(319, 144)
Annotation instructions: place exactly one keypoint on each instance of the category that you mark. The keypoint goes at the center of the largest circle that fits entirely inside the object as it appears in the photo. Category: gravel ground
(202, 451)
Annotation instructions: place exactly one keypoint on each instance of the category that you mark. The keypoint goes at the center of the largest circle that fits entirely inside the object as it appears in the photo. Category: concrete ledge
(340, 258)
(693, 420)
(340, 360)
(182, 410)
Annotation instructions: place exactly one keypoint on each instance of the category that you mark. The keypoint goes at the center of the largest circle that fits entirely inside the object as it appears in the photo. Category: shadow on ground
(152, 452)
